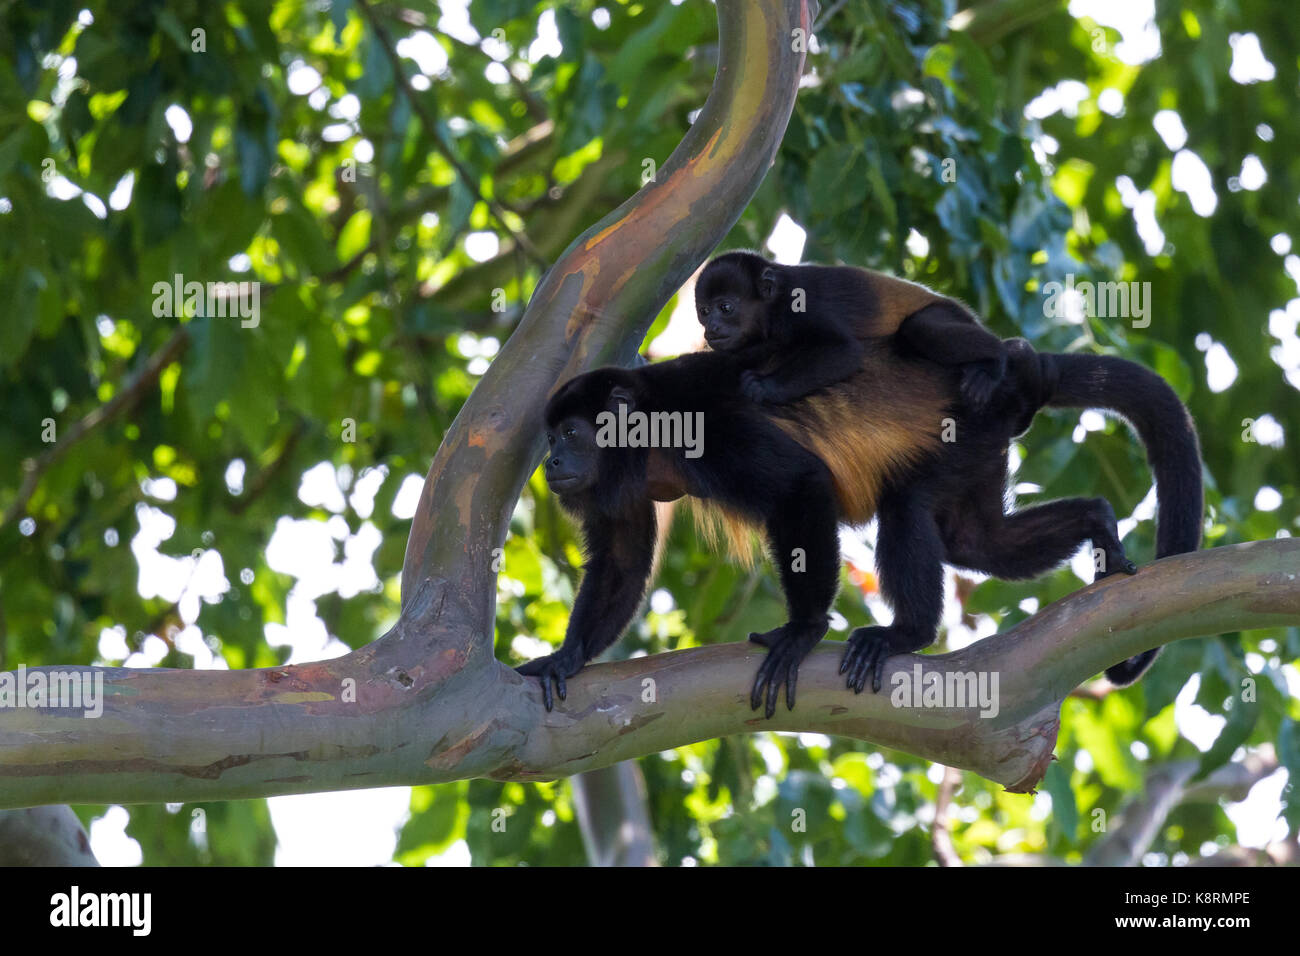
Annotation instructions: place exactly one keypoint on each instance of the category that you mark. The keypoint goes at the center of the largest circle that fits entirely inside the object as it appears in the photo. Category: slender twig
(833, 9)
(262, 480)
(940, 836)
(147, 377)
(444, 149)
(989, 22)
(414, 18)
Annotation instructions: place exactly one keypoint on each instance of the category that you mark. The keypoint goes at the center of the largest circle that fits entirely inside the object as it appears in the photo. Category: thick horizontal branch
(703, 692)
(371, 719)
(44, 836)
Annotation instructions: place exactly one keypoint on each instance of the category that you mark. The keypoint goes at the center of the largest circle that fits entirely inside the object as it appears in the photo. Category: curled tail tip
(1126, 672)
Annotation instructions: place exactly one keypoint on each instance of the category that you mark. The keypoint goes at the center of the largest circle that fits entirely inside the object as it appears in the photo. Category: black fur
(952, 509)
(774, 482)
(1162, 422)
(949, 507)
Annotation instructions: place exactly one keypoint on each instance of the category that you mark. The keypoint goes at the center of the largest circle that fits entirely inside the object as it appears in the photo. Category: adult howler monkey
(797, 329)
(748, 465)
(870, 444)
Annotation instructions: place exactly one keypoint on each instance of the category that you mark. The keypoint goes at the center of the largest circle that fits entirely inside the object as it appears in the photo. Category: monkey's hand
(787, 646)
(979, 380)
(870, 647)
(756, 387)
(554, 669)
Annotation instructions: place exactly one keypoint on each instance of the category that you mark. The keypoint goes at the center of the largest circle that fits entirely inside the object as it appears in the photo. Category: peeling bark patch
(446, 757)
(636, 723)
(302, 697)
(215, 769)
(482, 433)
(1047, 731)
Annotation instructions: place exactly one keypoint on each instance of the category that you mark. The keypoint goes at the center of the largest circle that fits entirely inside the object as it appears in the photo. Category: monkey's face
(572, 467)
(731, 321)
(732, 299)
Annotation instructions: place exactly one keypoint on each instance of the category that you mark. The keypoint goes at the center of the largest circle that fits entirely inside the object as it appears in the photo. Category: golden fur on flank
(867, 430)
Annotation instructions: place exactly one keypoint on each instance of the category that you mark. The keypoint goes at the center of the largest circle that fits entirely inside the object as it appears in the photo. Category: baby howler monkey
(797, 329)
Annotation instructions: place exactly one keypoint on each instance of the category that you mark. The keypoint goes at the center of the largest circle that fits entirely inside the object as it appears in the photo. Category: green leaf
(1065, 811)
(355, 236)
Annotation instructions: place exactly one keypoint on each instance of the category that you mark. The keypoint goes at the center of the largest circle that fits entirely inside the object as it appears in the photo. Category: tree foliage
(398, 222)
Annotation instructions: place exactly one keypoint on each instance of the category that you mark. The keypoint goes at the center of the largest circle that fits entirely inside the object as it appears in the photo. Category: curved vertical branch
(597, 301)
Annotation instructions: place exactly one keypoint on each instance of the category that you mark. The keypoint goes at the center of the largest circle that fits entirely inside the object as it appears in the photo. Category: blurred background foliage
(398, 175)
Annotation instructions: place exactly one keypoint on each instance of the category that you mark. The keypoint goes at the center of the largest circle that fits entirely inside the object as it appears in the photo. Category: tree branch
(610, 804)
(428, 704)
(1168, 786)
(44, 836)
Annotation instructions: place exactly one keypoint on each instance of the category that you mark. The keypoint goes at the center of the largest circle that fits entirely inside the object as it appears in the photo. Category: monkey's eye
(570, 432)
(704, 310)
(726, 307)
(550, 439)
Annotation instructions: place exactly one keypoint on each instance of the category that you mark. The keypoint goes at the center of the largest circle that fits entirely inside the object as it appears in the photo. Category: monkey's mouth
(719, 343)
(563, 482)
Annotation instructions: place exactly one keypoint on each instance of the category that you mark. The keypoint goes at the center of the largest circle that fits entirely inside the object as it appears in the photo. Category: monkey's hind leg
(1025, 544)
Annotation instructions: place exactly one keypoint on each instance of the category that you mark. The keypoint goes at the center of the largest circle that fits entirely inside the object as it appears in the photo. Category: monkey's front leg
(802, 530)
(802, 370)
(787, 646)
(554, 669)
(620, 554)
(909, 557)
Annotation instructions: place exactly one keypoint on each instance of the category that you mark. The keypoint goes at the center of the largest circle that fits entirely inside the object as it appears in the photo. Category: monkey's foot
(553, 669)
(978, 384)
(1115, 567)
(869, 648)
(980, 380)
(787, 646)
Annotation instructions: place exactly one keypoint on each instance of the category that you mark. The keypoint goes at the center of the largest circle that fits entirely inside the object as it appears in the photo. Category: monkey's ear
(620, 395)
(767, 284)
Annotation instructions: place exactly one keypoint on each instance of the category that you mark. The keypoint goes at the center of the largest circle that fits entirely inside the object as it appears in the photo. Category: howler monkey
(869, 445)
(797, 329)
(746, 464)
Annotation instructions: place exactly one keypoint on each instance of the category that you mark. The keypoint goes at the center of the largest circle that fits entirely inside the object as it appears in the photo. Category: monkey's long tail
(1162, 422)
